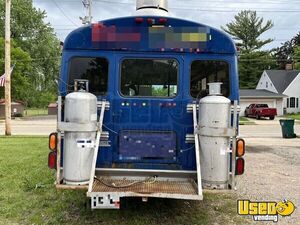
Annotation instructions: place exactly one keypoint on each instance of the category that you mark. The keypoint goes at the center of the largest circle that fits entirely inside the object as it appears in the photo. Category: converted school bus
(135, 115)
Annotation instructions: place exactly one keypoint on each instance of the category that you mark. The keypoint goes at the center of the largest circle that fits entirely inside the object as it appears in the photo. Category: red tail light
(240, 166)
(139, 20)
(163, 20)
(52, 160)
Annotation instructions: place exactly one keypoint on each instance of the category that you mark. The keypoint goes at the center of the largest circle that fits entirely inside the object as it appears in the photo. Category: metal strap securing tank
(99, 131)
(197, 151)
(77, 127)
(216, 131)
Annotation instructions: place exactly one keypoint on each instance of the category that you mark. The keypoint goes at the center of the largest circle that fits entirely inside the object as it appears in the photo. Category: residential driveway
(265, 128)
(272, 167)
(31, 126)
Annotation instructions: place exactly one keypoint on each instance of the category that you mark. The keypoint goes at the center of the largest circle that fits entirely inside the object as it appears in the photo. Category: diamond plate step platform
(106, 193)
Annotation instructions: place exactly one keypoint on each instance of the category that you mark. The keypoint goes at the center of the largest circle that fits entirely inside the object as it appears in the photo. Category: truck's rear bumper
(112, 184)
(105, 195)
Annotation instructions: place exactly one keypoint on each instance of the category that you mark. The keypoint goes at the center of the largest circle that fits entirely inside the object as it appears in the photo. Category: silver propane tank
(214, 114)
(81, 114)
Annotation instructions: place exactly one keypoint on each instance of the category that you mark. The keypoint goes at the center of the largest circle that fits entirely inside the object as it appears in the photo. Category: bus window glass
(93, 69)
(208, 71)
(149, 77)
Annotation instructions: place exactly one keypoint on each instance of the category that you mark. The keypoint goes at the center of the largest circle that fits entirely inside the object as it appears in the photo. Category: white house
(283, 82)
(250, 96)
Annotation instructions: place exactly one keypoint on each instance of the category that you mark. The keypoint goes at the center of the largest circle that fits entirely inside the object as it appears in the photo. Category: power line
(217, 10)
(62, 11)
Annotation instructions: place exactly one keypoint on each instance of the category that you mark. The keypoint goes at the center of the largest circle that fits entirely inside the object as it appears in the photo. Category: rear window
(94, 69)
(149, 77)
(208, 71)
(262, 106)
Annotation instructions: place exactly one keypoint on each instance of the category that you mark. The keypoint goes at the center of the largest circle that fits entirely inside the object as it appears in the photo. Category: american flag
(2, 78)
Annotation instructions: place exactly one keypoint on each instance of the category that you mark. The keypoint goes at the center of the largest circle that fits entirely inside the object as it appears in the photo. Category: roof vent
(152, 7)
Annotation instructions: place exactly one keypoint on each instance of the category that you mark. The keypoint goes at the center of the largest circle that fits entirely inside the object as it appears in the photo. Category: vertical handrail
(58, 149)
(233, 154)
(99, 131)
(197, 150)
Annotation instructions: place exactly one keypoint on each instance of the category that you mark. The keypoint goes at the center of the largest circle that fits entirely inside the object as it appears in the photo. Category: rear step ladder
(105, 192)
(197, 150)
(98, 135)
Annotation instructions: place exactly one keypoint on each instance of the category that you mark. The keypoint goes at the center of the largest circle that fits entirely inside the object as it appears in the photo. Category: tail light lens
(53, 141)
(163, 20)
(240, 166)
(52, 160)
(240, 148)
(139, 20)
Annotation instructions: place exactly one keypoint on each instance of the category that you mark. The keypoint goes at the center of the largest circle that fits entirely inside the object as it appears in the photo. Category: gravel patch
(272, 174)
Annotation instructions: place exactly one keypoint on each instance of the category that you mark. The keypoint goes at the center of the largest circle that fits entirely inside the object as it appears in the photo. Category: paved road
(46, 125)
(31, 126)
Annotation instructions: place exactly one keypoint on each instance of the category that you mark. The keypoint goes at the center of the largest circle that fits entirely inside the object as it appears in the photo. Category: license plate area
(147, 146)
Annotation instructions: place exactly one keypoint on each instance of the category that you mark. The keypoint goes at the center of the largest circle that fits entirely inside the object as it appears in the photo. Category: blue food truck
(135, 115)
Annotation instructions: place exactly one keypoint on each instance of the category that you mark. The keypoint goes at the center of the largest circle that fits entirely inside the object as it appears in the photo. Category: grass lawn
(293, 116)
(35, 112)
(28, 196)
(245, 121)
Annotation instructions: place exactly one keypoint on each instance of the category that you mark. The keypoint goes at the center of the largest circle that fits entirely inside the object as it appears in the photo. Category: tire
(257, 117)
(272, 117)
(246, 115)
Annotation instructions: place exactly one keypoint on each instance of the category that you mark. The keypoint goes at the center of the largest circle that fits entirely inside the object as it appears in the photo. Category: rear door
(146, 102)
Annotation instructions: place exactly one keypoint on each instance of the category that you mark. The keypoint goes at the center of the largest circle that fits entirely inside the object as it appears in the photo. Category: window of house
(94, 69)
(297, 102)
(267, 84)
(292, 102)
(149, 77)
(208, 71)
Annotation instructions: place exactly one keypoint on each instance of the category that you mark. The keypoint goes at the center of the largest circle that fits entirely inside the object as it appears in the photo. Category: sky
(64, 15)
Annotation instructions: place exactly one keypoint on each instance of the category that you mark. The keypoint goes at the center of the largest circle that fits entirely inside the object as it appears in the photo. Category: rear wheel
(272, 117)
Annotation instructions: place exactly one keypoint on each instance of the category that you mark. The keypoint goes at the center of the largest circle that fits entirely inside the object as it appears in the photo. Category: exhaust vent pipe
(151, 8)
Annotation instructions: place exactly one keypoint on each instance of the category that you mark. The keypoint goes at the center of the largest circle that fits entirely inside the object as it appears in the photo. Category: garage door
(246, 102)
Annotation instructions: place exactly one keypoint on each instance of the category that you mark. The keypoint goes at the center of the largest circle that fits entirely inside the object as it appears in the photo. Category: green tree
(37, 38)
(247, 28)
(296, 57)
(251, 66)
(22, 71)
(285, 54)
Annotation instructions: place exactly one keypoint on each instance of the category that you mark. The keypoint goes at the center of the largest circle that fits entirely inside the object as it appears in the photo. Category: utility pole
(87, 4)
(7, 69)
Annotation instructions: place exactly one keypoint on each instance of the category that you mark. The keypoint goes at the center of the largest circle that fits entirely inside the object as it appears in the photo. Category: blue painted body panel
(149, 114)
(217, 41)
